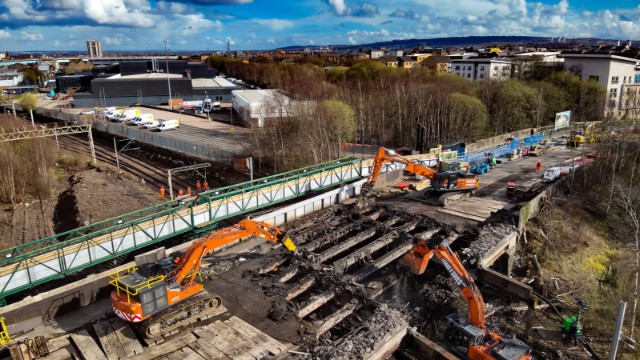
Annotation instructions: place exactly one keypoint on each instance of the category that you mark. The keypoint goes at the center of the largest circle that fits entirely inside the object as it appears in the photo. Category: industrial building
(94, 49)
(148, 82)
(152, 89)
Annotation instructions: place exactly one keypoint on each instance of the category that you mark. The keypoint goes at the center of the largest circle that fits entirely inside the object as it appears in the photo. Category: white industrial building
(256, 106)
(612, 71)
(10, 78)
(482, 68)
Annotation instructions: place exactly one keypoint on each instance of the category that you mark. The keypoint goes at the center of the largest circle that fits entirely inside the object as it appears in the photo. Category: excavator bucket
(288, 243)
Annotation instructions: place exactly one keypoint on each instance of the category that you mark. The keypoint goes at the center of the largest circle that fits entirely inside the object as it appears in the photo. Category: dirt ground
(88, 195)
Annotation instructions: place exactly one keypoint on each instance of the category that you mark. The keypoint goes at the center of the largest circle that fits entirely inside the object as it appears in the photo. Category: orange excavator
(467, 336)
(167, 294)
(441, 181)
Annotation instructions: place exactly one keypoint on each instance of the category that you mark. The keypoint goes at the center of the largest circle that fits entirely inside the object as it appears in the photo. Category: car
(168, 125)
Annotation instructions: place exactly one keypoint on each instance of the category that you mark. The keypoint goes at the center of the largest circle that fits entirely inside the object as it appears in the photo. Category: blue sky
(268, 24)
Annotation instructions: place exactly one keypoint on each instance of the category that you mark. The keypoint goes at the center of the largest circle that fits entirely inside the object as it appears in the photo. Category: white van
(216, 106)
(127, 115)
(140, 119)
(149, 124)
(168, 125)
(113, 115)
(105, 111)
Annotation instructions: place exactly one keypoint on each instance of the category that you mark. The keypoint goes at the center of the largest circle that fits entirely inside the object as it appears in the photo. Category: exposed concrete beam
(383, 261)
(304, 286)
(506, 284)
(386, 347)
(341, 265)
(507, 243)
(428, 349)
(315, 302)
(334, 319)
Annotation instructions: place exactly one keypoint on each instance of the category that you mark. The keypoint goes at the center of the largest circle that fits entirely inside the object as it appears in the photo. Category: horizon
(142, 25)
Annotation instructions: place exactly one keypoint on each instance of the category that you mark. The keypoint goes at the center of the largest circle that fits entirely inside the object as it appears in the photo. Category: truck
(192, 105)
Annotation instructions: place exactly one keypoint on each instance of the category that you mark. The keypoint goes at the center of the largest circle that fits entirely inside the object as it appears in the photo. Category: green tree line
(387, 106)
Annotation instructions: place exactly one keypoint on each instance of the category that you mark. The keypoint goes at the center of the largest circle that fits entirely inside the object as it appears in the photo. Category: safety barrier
(35, 263)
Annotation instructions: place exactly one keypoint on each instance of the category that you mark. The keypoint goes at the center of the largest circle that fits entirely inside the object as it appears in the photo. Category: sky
(268, 24)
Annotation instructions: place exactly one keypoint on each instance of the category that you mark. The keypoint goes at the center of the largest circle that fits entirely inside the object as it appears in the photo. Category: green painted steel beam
(168, 211)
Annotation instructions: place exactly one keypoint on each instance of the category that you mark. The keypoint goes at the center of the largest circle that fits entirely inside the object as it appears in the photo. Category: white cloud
(173, 7)
(4, 34)
(338, 7)
(119, 12)
(275, 24)
(271, 41)
(30, 37)
(196, 23)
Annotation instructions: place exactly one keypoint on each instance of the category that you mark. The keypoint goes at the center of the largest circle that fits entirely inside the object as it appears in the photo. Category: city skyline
(259, 24)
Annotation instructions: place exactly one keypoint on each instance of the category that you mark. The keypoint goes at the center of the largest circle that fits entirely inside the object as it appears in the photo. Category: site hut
(257, 106)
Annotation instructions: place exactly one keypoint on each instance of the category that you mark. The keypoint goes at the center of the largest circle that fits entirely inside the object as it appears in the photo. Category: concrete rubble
(489, 236)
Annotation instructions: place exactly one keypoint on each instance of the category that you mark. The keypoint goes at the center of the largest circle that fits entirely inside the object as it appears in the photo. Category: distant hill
(453, 41)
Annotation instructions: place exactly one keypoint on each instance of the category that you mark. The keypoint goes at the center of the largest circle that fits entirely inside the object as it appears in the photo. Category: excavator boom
(150, 294)
(471, 334)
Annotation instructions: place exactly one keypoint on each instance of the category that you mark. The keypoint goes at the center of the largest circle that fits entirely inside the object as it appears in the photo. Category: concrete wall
(533, 207)
(183, 146)
(33, 310)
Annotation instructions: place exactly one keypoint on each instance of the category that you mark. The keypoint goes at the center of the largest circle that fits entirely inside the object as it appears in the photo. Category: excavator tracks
(193, 309)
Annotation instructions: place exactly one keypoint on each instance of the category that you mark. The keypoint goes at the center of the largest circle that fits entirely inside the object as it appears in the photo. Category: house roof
(599, 56)
(388, 59)
(440, 59)
(407, 59)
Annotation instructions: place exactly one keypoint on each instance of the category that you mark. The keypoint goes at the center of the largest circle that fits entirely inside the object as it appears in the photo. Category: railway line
(154, 174)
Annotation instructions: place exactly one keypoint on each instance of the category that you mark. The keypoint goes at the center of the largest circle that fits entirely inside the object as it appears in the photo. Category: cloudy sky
(268, 24)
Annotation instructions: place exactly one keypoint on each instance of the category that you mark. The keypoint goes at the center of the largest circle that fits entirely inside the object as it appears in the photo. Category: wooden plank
(469, 209)
(166, 347)
(60, 354)
(254, 335)
(274, 346)
(127, 338)
(471, 212)
(88, 348)
(463, 215)
(189, 354)
(248, 344)
(215, 334)
(302, 287)
(315, 302)
(58, 343)
(207, 350)
(109, 341)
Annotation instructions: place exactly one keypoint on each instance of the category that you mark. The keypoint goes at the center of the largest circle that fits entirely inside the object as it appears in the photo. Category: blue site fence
(502, 150)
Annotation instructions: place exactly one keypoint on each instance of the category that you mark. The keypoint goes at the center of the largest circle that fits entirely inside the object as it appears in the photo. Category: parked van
(113, 115)
(168, 125)
(149, 124)
(216, 106)
(107, 110)
(128, 114)
(138, 120)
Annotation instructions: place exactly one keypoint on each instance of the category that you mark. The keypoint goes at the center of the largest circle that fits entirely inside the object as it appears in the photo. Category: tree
(341, 119)
(29, 102)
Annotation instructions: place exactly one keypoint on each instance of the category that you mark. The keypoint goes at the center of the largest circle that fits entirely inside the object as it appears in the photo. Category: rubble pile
(384, 322)
(489, 236)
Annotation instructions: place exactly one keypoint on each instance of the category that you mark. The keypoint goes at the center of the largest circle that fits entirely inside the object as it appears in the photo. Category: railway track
(154, 174)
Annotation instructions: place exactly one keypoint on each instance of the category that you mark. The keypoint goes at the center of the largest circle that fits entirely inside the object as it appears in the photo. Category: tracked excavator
(468, 336)
(168, 294)
(441, 181)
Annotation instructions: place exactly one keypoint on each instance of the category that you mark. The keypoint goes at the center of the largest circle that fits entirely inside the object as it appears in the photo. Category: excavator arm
(385, 155)
(189, 263)
(418, 258)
